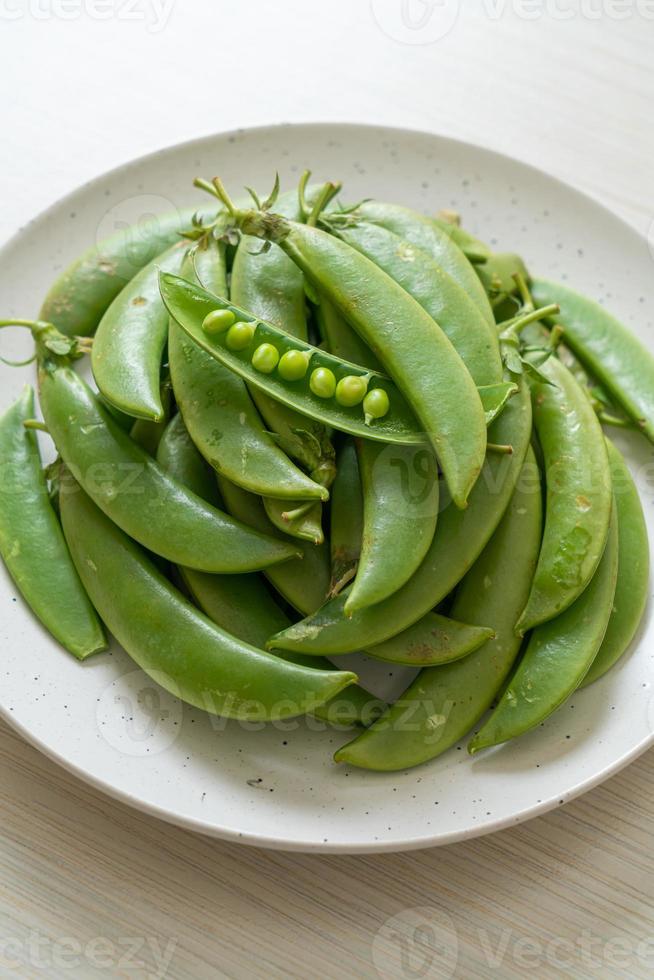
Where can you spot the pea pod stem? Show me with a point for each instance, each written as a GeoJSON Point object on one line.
{"type": "Point", "coordinates": [518, 324]}
{"type": "Point", "coordinates": [37, 425]}
{"type": "Point", "coordinates": [294, 515]}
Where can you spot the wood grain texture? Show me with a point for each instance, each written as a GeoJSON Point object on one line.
{"type": "Point", "coordinates": [90, 888]}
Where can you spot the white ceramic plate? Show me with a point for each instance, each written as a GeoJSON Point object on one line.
{"type": "Point", "coordinates": [108, 723]}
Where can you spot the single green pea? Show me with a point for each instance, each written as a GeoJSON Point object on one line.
{"type": "Point", "coordinates": [265, 358]}
{"type": "Point", "coordinates": [375, 404]}
{"type": "Point", "coordinates": [239, 336]}
{"type": "Point", "coordinates": [218, 321]}
{"type": "Point", "coordinates": [323, 382]}
{"type": "Point", "coordinates": [351, 390]}
{"type": "Point", "coordinates": [293, 365]}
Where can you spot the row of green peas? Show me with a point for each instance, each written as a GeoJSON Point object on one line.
{"type": "Point", "coordinates": [293, 365]}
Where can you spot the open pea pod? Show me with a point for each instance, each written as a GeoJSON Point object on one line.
{"type": "Point", "coordinates": [189, 305]}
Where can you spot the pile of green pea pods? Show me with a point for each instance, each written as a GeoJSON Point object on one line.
{"type": "Point", "coordinates": [322, 429]}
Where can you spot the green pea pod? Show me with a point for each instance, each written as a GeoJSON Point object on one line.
{"type": "Point", "coordinates": [145, 432]}
{"type": "Point", "coordinates": [189, 305]}
{"type": "Point", "coordinates": [427, 235]}
{"type": "Point", "coordinates": [632, 586]}
{"type": "Point", "coordinates": [79, 298]}
{"type": "Point", "coordinates": [607, 349]}
{"type": "Point", "coordinates": [441, 296]}
{"type": "Point", "coordinates": [459, 539]}
{"type": "Point", "coordinates": [443, 703]}
{"type": "Point", "coordinates": [303, 521]}
{"type": "Point", "coordinates": [578, 483]}
{"type": "Point", "coordinates": [429, 372]}
{"type": "Point", "coordinates": [473, 248]}
{"type": "Point", "coordinates": [31, 543]}
{"type": "Point", "coordinates": [339, 337]}
{"type": "Point", "coordinates": [176, 645]}
{"type": "Point", "coordinates": [135, 492]}
{"type": "Point", "coordinates": [400, 510]}
{"type": "Point", "coordinates": [241, 604]}
{"type": "Point", "coordinates": [179, 457]}
{"type": "Point", "coordinates": [434, 639]}
{"type": "Point", "coordinates": [303, 582]}
{"type": "Point", "coordinates": [557, 658]}
{"type": "Point", "coordinates": [129, 342]}
{"type": "Point", "coordinates": [346, 530]}
{"type": "Point", "coordinates": [397, 524]}
{"type": "Point", "coordinates": [218, 411]}
{"type": "Point", "coordinates": [267, 282]}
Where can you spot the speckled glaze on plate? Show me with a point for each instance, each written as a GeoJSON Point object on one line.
{"type": "Point", "coordinates": [277, 787]}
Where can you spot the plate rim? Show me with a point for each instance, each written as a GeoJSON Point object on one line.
{"type": "Point", "coordinates": [212, 829]}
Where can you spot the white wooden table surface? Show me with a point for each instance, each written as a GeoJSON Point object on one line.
{"type": "Point", "coordinates": [91, 888]}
